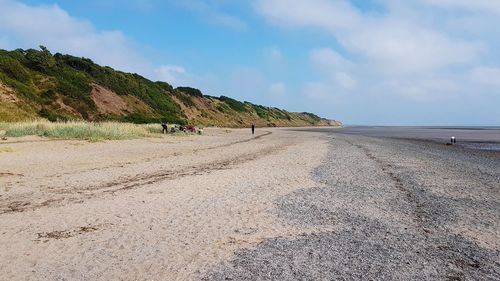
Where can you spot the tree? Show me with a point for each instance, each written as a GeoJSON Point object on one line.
{"type": "Point", "coordinates": [40, 60]}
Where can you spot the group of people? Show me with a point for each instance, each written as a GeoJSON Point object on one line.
{"type": "Point", "coordinates": [187, 128]}
{"type": "Point", "coordinates": [179, 128]}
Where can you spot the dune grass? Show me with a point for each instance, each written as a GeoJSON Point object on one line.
{"type": "Point", "coordinates": [6, 149]}
{"type": "Point", "coordinates": [79, 130]}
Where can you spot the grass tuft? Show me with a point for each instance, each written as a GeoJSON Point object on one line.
{"type": "Point", "coordinates": [6, 149]}
{"type": "Point", "coordinates": [80, 130]}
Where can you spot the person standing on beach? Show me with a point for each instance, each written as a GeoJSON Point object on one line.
{"type": "Point", "coordinates": [164, 126]}
{"type": "Point", "coordinates": [253, 129]}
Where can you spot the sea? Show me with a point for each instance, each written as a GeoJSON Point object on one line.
{"type": "Point", "coordinates": [473, 137]}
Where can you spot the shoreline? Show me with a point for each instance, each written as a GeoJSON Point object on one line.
{"type": "Point", "coordinates": [488, 140]}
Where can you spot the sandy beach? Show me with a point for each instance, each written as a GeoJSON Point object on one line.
{"type": "Point", "coordinates": [281, 205]}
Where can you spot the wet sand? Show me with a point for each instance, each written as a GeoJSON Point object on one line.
{"type": "Point", "coordinates": [284, 205]}
{"type": "Point", "coordinates": [485, 138]}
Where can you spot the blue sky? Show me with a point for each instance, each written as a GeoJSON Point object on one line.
{"type": "Point", "coordinates": [412, 62]}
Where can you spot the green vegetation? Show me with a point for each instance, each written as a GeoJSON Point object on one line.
{"type": "Point", "coordinates": [190, 91]}
{"type": "Point", "coordinates": [234, 104]}
{"type": "Point", "coordinates": [79, 130]}
{"type": "Point", "coordinates": [40, 78]}
{"type": "Point", "coordinates": [63, 88]}
{"type": "Point", "coordinates": [186, 99]}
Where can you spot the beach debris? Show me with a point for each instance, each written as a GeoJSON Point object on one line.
{"type": "Point", "coordinates": [180, 128]}
{"type": "Point", "coordinates": [63, 234]}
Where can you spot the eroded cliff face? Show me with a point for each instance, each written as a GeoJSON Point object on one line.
{"type": "Point", "coordinates": [330, 122]}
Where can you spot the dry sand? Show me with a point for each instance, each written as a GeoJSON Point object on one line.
{"type": "Point", "coordinates": [283, 205]}
{"type": "Point", "coordinates": [156, 209]}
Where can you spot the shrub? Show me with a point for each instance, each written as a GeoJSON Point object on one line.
{"type": "Point", "coordinates": [14, 69]}
{"type": "Point", "coordinates": [190, 91]}
{"type": "Point", "coordinates": [234, 104]}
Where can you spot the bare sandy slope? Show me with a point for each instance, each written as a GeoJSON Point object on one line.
{"type": "Point", "coordinates": [157, 209]}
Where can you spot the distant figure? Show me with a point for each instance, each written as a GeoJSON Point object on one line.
{"type": "Point", "coordinates": [253, 129]}
{"type": "Point", "coordinates": [165, 127]}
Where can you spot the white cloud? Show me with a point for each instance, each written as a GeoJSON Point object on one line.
{"type": "Point", "coordinates": [488, 6]}
{"type": "Point", "coordinates": [345, 80]}
{"type": "Point", "coordinates": [173, 74]}
{"type": "Point", "coordinates": [392, 43]}
{"type": "Point", "coordinates": [30, 26]}
{"type": "Point", "coordinates": [136, 5]}
{"type": "Point", "coordinates": [336, 69]}
{"type": "Point", "coordinates": [228, 21]}
{"type": "Point", "coordinates": [406, 47]}
{"type": "Point", "coordinates": [326, 57]}
{"type": "Point", "coordinates": [245, 82]}
{"type": "Point", "coordinates": [486, 76]}
{"type": "Point", "coordinates": [406, 50]}
{"type": "Point", "coordinates": [330, 15]}
{"type": "Point", "coordinates": [318, 91]}
{"type": "Point", "coordinates": [67, 34]}
{"type": "Point", "coordinates": [423, 89]}
{"type": "Point", "coordinates": [211, 11]}
{"type": "Point", "coordinates": [274, 54]}
{"type": "Point", "coordinates": [277, 89]}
